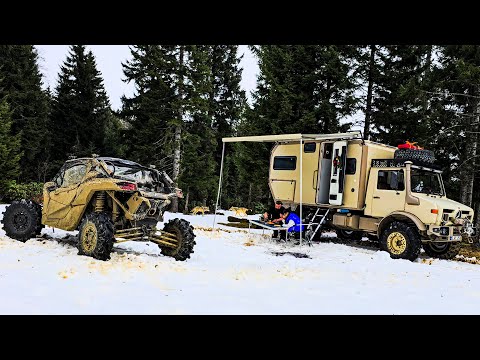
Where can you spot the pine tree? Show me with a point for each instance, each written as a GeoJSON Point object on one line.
{"type": "Point", "coordinates": [456, 119]}
{"type": "Point", "coordinates": [21, 84]}
{"type": "Point", "coordinates": [398, 106]}
{"type": "Point", "coordinates": [150, 114]}
{"type": "Point", "coordinates": [172, 121]}
{"type": "Point", "coordinates": [10, 153]}
{"type": "Point", "coordinates": [304, 88]}
{"type": "Point", "coordinates": [366, 68]}
{"type": "Point", "coordinates": [227, 103]}
{"type": "Point", "coordinates": [81, 108]}
{"type": "Point", "coordinates": [114, 143]}
{"type": "Point", "coordinates": [199, 141]}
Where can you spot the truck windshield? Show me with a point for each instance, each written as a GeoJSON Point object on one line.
{"type": "Point", "coordinates": [426, 182]}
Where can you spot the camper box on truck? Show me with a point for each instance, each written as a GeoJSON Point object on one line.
{"type": "Point", "coordinates": [334, 172]}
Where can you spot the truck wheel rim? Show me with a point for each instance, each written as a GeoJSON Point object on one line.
{"type": "Point", "coordinates": [89, 237]}
{"type": "Point", "coordinates": [396, 243]}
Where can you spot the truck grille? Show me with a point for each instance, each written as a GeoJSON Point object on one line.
{"type": "Point", "coordinates": [447, 213]}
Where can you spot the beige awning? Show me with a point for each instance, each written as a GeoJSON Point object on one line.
{"type": "Point", "coordinates": [294, 137]}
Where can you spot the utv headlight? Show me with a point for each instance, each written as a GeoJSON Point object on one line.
{"type": "Point", "coordinates": [444, 230]}
{"type": "Point", "coordinates": [458, 215]}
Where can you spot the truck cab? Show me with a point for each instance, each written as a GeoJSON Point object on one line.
{"type": "Point", "coordinates": [416, 195]}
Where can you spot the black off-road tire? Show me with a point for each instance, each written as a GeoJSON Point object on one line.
{"type": "Point", "coordinates": [22, 220]}
{"type": "Point", "coordinates": [442, 250]}
{"type": "Point", "coordinates": [423, 156]}
{"type": "Point", "coordinates": [95, 236]}
{"type": "Point", "coordinates": [401, 241]}
{"type": "Point", "coordinates": [185, 236]}
{"type": "Point", "coordinates": [349, 234]}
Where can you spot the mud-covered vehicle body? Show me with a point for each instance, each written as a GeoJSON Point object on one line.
{"type": "Point", "coordinates": [107, 200]}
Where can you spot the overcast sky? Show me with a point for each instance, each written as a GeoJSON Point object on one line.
{"type": "Point", "coordinates": [109, 60]}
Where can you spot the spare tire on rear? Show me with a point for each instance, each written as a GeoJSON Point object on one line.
{"type": "Point", "coordinates": [424, 156]}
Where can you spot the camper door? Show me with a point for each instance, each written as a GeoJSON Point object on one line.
{"type": "Point", "coordinates": [337, 177]}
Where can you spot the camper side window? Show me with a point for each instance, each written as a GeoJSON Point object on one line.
{"type": "Point", "coordinates": [310, 147]}
{"type": "Point", "coordinates": [285, 163]}
{"type": "Point", "coordinates": [390, 180]}
{"type": "Point", "coordinates": [351, 166]}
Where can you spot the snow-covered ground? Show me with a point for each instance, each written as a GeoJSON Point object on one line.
{"type": "Point", "coordinates": [232, 271]}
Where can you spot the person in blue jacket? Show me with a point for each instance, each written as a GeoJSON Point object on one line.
{"type": "Point", "coordinates": [293, 222]}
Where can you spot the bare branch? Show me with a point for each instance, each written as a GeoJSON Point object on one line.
{"type": "Point", "coordinates": [450, 94]}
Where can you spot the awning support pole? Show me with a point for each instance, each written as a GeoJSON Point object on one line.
{"type": "Point", "coordinates": [301, 190]}
{"type": "Point", "coordinates": [219, 186]}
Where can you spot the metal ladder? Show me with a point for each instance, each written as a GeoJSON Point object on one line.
{"type": "Point", "coordinates": [312, 227]}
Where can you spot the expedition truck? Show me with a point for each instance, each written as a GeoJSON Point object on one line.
{"type": "Point", "coordinates": [359, 187]}
{"type": "Point", "coordinates": [108, 200]}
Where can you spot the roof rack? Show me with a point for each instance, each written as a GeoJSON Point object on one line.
{"type": "Point", "coordinates": [388, 163]}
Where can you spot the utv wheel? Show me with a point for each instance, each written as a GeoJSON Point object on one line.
{"type": "Point", "coordinates": [442, 250]}
{"type": "Point", "coordinates": [95, 236]}
{"type": "Point", "coordinates": [185, 237]}
{"type": "Point", "coordinates": [350, 234]}
{"type": "Point", "coordinates": [22, 220]}
{"type": "Point", "coordinates": [401, 241]}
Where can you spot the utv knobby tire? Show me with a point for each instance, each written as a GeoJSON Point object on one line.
{"type": "Point", "coordinates": [442, 250]}
{"type": "Point", "coordinates": [22, 220]}
{"type": "Point", "coordinates": [401, 241]}
{"type": "Point", "coordinates": [349, 234]}
{"type": "Point", "coordinates": [95, 236]}
{"type": "Point", "coordinates": [186, 239]}
{"type": "Point", "coordinates": [424, 156]}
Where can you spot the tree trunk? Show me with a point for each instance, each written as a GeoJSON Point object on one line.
{"type": "Point", "coordinates": [326, 123]}
{"type": "Point", "coordinates": [178, 128]}
{"type": "Point", "coordinates": [476, 218]}
{"type": "Point", "coordinates": [475, 174]}
{"type": "Point", "coordinates": [185, 211]}
{"type": "Point", "coordinates": [249, 202]}
{"type": "Point", "coordinates": [467, 171]}
{"type": "Point", "coordinates": [368, 108]}
{"type": "Point", "coordinates": [424, 81]}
